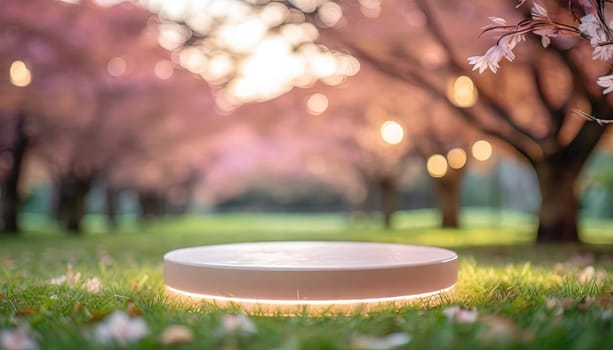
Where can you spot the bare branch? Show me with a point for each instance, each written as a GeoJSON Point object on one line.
{"type": "Point", "coordinates": [591, 118]}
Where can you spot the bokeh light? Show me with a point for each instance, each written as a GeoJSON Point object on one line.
{"type": "Point", "coordinates": [305, 5]}
{"type": "Point", "coordinates": [116, 67]}
{"type": "Point", "coordinates": [19, 74]}
{"type": "Point", "coordinates": [274, 13]}
{"type": "Point", "coordinates": [349, 65]}
{"type": "Point", "coordinates": [218, 68]}
{"type": "Point", "coordinates": [317, 104]}
{"type": "Point", "coordinates": [330, 14]}
{"type": "Point", "coordinates": [392, 132]}
{"type": "Point", "coordinates": [437, 165]}
{"type": "Point", "coordinates": [462, 92]}
{"type": "Point", "coordinates": [192, 59]}
{"type": "Point", "coordinates": [370, 8]}
{"type": "Point", "coordinates": [244, 36]}
{"type": "Point", "coordinates": [163, 69]}
{"type": "Point", "coordinates": [482, 150]}
{"type": "Point", "coordinates": [456, 158]}
{"type": "Point", "coordinates": [172, 36]}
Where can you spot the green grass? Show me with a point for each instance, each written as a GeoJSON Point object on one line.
{"type": "Point", "coordinates": [502, 276]}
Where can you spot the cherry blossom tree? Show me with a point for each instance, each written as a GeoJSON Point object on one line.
{"type": "Point", "coordinates": [277, 147]}
{"type": "Point", "coordinates": [201, 48]}
{"type": "Point", "coordinates": [531, 108]}
{"type": "Point", "coordinates": [333, 134]}
{"type": "Point", "coordinates": [40, 54]}
{"type": "Point", "coordinates": [101, 91]}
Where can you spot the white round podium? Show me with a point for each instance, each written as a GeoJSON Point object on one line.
{"type": "Point", "coordinates": [289, 277]}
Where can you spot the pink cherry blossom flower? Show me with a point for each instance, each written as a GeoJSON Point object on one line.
{"type": "Point", "coordinates": [69, 278]}
{"type": "Point", "coordinates": [119, 328]}
{"type": "Point", "coordinates": [240, 323]}
{"type": "Point", "coordinates": [389, 341]}
{"type": "Point", "coordinates": [498, 21]}
{"type": "Point", "coordinates": [591, 27]}
{"type": "Point", "coordinates": [493, 56]}
{"type": "Point", "coordinates": [488, 61]}
{"type": "Point", "coordinates": [176, 334]}
{"type": "Point", "coordinates": [17, 339]}
{"type": "Point", "coordinates": [606, 82]}
{"type": "Point", "coordinates": [503, 330]}
{"type": "Point", "coordinates": [461, 315]}
{"type": "Point", "coordinates": [538, 11]}
{"type": "Point", "coordinates": [93, 285]}
{"type": "Point", "coordinates": [547, 28]}
{"type": "Point", "coordinates": [546, 34]}
{"type": "Point", "coordinates": [603, 52]}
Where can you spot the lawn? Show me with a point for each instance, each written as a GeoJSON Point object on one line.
{"type": "Point", "coordinates": [512, 294]}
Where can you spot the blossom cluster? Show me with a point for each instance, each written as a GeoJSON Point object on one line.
{"type": "Point", "coordinates": [592, 26]}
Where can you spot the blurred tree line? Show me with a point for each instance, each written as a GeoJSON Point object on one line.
{"type": "Point", "coordinates": [87, 96]}
{"type": "Point", "coordinates": [334, 101]}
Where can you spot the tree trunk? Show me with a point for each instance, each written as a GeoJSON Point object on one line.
{"type": "Point", "coordinates": [151, 205]}
{"type": "Point", "coordinates": [363, 209]}
{"type": "Point", "coordinates": [558, 215]}
{"type": "Point", "coordinates": [10, 197]}
{"type": "Point", "coordinates": [112, 196]}
{"type": "Point", "coordinates": [369, 205]}
{"type": "Point", "coordinates": [72, 194]}
{"type": "Point", "coordinates": [389, 199]}
{"type": "Point", "coordinates": [448, 197]}
{"type": "Point", "coordinates": [557, 176]}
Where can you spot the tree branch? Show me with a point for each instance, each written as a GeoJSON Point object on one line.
{"type": "Point", "coordinates": [467, 114]}
{"type": "Point", "coordinates": [485, 98]}
{"type": "Point", "coordinates": [579, 149]}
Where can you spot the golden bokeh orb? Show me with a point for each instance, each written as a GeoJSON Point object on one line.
{"type": "Point", "coordinates": [462, 92]}
{"type": "Point", "coordinates": [317, 104]}
{"type": "Point", "coordinates": [437, 165]}
{"type": "Point", "coordinates": [392, 132]}
{"type": "Point", "coordinates": [482, 150]}
{"type": "Point", "coordinates": [20, 74]}
{"type": "Point", "coordinates": [456, 158]}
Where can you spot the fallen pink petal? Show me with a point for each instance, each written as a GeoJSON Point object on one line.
{"type": "Point", "coordinates": [18, 338]}
{"type": "Point", "coordinates": [93, 285]}
{"type": "Point", "coordinates": [238, 324]}
{"type": "Point", "coordinates": [119, 328]}
{"type": "Point", "coordinates": [390, 341]}
{"type": "Point", "coordinates": [176, 334]}
{"type": "Point", "coordinates": [502, 330]}
{"type": "Point", "coordinates": [461, 315]}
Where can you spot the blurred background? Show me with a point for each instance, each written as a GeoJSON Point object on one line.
{"type": "Point", "coordinates": [117, 114]}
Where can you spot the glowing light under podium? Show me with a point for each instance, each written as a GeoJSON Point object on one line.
{"type": "Point", "coordinates": [289, 277]}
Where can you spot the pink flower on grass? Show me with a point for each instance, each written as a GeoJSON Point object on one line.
{"type": "Point", "coordinates": [119, 328]}
{"type": "Point", "coordinates": [93, 285]}
{"type": "Point", "coordinates": [461, 315]}
{"type": "Point", "coordinates": [238, 324]}
{"type": "Point", "coordinates": [69, 278]}
{"type": "Point", "coordinates": [17, 339]}
{"type": "Point", "coordinates": [389, 341]}
{"type": "Point", "coordinates": [176, 334]}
